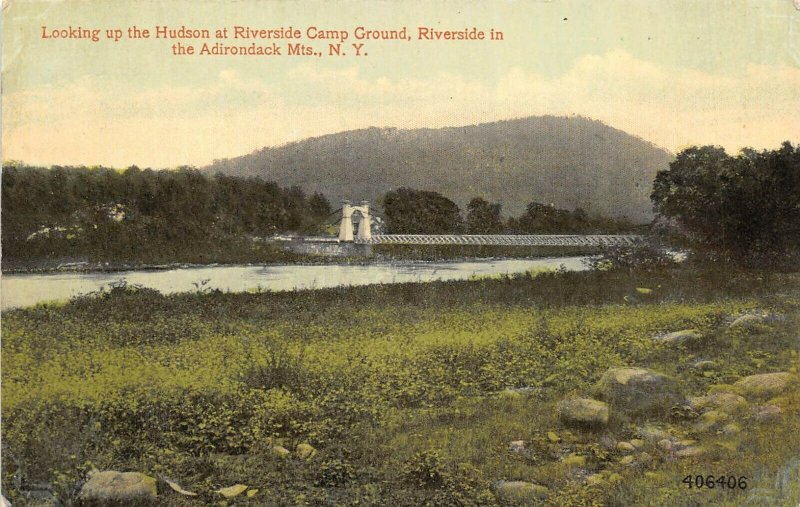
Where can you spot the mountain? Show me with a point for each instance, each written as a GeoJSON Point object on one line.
{"type": "Point", "coordinates": [570, 162]}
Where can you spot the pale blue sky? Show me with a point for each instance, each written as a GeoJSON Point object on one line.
{"type": "Point", "coordinates": [673, 72]}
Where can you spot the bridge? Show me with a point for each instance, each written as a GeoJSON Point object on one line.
{"type": "Point", "coordinates": [503, 239]}
{"type": "Point", "coordinates": [364, 236]}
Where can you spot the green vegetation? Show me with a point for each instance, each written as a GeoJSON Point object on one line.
{"type": "Point", "coordinates": [410, 211]}
{"type": "Point", "coordinates": [411, 394]}
{"type": "Point", "coordinates": [144, 216]}
{"type": "Point", "coordinates": [743, 209]}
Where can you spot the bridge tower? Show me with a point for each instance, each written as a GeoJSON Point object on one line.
{"type": "Point", "coordinates": [346, 225]}
{"type": "Point", "coordinates": [365, 226]}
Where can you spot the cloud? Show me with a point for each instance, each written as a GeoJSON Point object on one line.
{"type": "Point", "coordinates": [101, 121]}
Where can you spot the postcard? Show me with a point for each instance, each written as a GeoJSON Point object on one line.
{"type": "Point", "coordinates": [405, 253]}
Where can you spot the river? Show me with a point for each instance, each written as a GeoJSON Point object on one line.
{"type": "Point", "coordinates": [20, 290]}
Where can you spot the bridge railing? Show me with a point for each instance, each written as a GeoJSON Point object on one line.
{"type": "Point", "coordinates": [506, 239]}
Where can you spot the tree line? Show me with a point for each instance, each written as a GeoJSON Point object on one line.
{"type": "Point", "coordinates": [411, 211]}
{"type": "Point", "coordinates": [141, 213]}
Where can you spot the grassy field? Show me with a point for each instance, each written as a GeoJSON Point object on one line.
{"type": "Point", "coordinates": [410, 394]}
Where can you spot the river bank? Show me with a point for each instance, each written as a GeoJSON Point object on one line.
{"type": "Point", "coordinates": [279, 256]}
{"type": "Point", "coordinates": [447, 392]}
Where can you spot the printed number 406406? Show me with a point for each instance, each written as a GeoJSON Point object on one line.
{"type": "Point", "coordinates": [711, 481]}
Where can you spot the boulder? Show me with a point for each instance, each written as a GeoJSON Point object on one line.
{"type": "Point", "coordinates": [280, 452]}
{"type": "Point", "coordinates": [690, 452]}
{"type": "Point", "coordinates": [638, 443]}
{"type": "Point", "coordinates": [625, 447]}
{"type": "Point", "coordinates": [123, 487]}
{"type": "Point", "coordinates": [638, 390]}
{"type": "Point", "coordinates": [583, 412]}
{"type": "Point", "coordinates": [652, 433]}
{"type": "Point", "coordinates": [750, 322]}
{"type": "Point", "coordinates": [725, 401]}
{"type": "Point", "coordinates": [712, 420]}
{"type": "Point", "coordinates": [679, 337]}
{"type": "Point", "coordinates": [766, 385]}
{"type": "Point", "coordinates": [520, 493]}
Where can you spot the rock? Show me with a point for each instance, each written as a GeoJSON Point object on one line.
{"type": "Point", "coordinates": [113, 486]}
{"type": "Point", "coordinates": [665, 444]}
{"type": "Point", "coordinates": [583, 412]}
{"type": "Point", "coordinates": [690, 452]}
{"type": "Point", "coordinates": [725, 401]}
{"type": "Point", "coordinates": [749, 322]}
{"type": "Point", "coordinates": [280, 452]}
{"type": "Point", "coordinates": [625, 447]}
{"type": "Point", "coordinates": [638, 443]}
{"type": "Point", "coordinates": [553, 437]}
{"type": "Point", "coordinates": [520, 493]}
{"type": "Point", "coordinates": [712, 420]}
{"type": "Point", "coordinates": [766, 413]}
{"type": "Point", "coordinates": [305, 451]}
{"type": "Point", "coordinates": [627, 460]}
{"type": "Point", "coordinates": [766, 385]}
{"type": "Point", "coordinates": [652, 433]}
{"type": "Point", "coordinates": [517, 446]}
{"type": "Point", "coordinates": [638, 390]}
{"type": "Point", "coordinates": [679, 337]}
{"type": "Point", "coordinates": [232, 491]}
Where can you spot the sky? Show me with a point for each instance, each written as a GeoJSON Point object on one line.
{"type": "Point", "coordinates": [673, 72]}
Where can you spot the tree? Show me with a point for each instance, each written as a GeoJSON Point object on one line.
{"type": "Point", "coordinates": [746, 208]}
{"type": "Point", "coordinates": [409, 211]}
{"type": "Point", "coordinates": [484, 217]}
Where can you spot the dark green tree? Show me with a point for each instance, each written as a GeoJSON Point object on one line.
{"type": "Point", "coordinates": [409, 211]}
{"type": "Point", "coordinates": [745, 208]}
{"type": "Point", "coordinates": [484, 217]}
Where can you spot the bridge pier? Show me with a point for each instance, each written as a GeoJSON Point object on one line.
{"type": "Point", "coordinates": [364, 233]}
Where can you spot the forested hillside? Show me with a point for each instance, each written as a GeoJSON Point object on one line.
{"type": "Point", "coordinates": [569, 162]}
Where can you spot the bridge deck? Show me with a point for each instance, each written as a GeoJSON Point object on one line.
{"type": "Point", "coordinates": [505, 239]}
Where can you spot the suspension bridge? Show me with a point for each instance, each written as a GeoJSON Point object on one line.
{"type": "Point", "coordinates": [364, 235]}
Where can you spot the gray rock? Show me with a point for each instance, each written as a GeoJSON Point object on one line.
{"type": "Point", "coordinates": [638, 390]}
{"type": "Point", "coordinates": [725, 401]}
{"type": "Point", "coordinates": [517, 446]}
{"type": "Point", "coordinates": [680, 337]}
{"type": "Point", "coordinates": [113, 486]}
{"type": "Point", "coordinates": [690, 452]}
{"type": "Point", "coordinates": [749, 322]}
{"type": "Point", "coordinates": [766, 385]}
{"type": "Point", "coordinates": [520, 493]}
{"type": "Point", "coordinates": [583, 412]}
